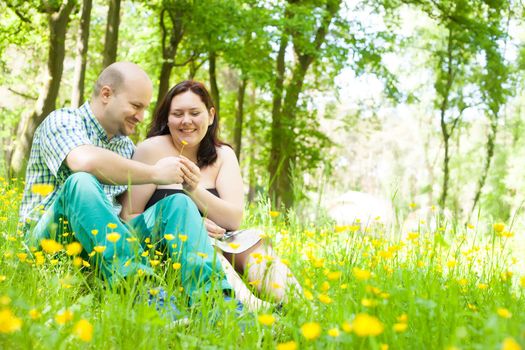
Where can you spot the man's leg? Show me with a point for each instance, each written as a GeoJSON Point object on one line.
{"type": "Point", "coordinates": [83, 203]}
{"type": "Point", "coordinates": [176, 223]}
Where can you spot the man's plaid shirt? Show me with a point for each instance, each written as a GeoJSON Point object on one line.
{"type": "Point", "coordinates": [62, 131]}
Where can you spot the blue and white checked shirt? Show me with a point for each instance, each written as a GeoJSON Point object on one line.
{"type": "Point", "coordinates": [62, 131]}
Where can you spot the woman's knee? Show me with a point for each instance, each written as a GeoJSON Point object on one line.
{"type": "Point", "coordinates": [179, 202]}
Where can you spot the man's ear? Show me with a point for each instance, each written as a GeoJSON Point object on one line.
{"type": "Point", "coordinates": [105, 93]}
{"type": "Point", "coordinates": [212, 116]}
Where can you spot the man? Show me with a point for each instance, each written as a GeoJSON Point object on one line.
{"type": "Point", "coordinates": [84, 154]}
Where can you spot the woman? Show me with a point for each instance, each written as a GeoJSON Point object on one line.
{"type": "Point", "coordinates": [185, 125]}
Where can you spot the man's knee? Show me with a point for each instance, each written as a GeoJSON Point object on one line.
{"type": "Point", "coordinates": [179, 202]}
{"type": "Point", "coordinates": [81, 180]}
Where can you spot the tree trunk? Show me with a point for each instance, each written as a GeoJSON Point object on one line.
{"type": "Point", "coordinates": [490, 154]}
{"type": "Point", "coordinates": [58, 21]}
{"type": "Point", "coordinates": [214, 89]}
{"type": "Point", "coordinates": [252, 179]}
{"type": "Point", "coordinates": [111, 41]}
{"type": "Point", "coordinates": [276, 153]}
{"type": "Point", "coordinates": [239, 115]}
{"type": "Point", "coordinates": [77, 97]}
{"type": "Point", "coordinates": [170, 48]}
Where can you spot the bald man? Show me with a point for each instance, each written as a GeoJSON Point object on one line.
{"type": "Point", "coordinates": [82, 158]}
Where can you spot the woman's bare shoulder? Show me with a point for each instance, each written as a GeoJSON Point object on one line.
{"type": "Point", "coordinates": [225, 152]}
{"type": "Point", "coordinates": [152, 148]}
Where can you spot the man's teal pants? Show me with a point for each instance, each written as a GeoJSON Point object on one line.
{"type": "Point", "coordinates": [173, 224]}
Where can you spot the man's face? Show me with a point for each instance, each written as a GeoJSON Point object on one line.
{"type": "Point", "coordinates": [125, 107]}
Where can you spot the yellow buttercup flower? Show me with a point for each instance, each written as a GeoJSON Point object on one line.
{"type": "Point", "coordinates": [84, 330]}
{"type": "Point", "coordinates": [34, 314]}
{"type": "Point", "coordinates": [266, 319]}
{"type": "Point", "coordinates": [73, 249]}
{"type": "Point", "coordinates": [333, 332]}
{"type": "Point", "coordinates": [169, 237]}
{"type": "Point", "coordinates": [360, 274]}
{"type": "Point", "coordinates": [9, 323]}
{"type": "Point", "coordinates": [400, 327]}
{"type": "Point", "coordinates": [64, 317]}
{"type": "Point", "coordinates": [290, 345]}
{"type": "Point", "coordinates": [325, 299]}
{"type": "Point", "coordinates": [234, 245]}
{"type": "Point", "coordinates": [311, 330]}
{"type": "Point", "coordinates": [176, 266]}
{"type": "Point", "coordinates": [510, 344]}
{"type": "Point", "coordinates": [113, 237]}
{"type": "Point", "coordinates": [365, 325]}
{"type": "Point", "coordinates": [99, 248]}
{"type": "Point", "coordinates": [112, 225]}
{"type": "Point", "coordinates": [498, 227]}
{"type": "Point", "coordinates": [94, 232]}
{"type": "Point", "coordinates": [183, 238]}
{"type": "Point", "coordinates": [42, 189]}
{"type": "Point", "coordinates": [50, 246]}
{"type": "Point", "coordinates": [274, 214]}
{"type": "Point", "coordinates": [504, 313]}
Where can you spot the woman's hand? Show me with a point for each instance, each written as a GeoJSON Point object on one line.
{"type": "Point", "coordinates": [214, 230]}
{"type": "Point", "coordinates": [191, 174]}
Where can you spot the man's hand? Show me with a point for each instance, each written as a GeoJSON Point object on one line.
{"type": "Point", "coordinates": [214, 230]}
{"type": "Point", "coordinates": [192, 174]}
{"type": "Point", "coordinates": [169, 171]}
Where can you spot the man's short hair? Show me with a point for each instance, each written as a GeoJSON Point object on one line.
{"type": "Point", "coordinates": [112, 77]}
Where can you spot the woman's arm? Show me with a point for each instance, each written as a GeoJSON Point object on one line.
{"type": "Point", "coordinates": [225, 211]}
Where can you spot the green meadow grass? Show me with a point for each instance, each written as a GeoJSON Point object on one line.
{"type": "Point", "coordinates": [365, 287]}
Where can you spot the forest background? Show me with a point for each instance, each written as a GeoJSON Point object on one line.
{"type": "Point", "coordinates": [417, 101]}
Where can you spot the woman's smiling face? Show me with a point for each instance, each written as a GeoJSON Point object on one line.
{"type": "Point", "coordinates": [189, 119]}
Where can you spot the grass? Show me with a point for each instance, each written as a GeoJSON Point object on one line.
{"type": "Point", "coordinates": [365, 287]}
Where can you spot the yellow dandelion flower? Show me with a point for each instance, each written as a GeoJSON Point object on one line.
{"type": "Point", "coordinates": [504, 313]}
{"type": "Point", "coordinates": [308, 295]}
{"type": "Point", "coordinates": [361, 275]}
{"type": "Point", "coordinates": [347, 327]}
{"type": "Point", "coordinates": [112, 226]}
{"type": "Point", "coordinates": [176, 266]}
{"type": "Point", "coordinates": [34, 314]}
{"type": "Point", "coordinates": [266, 319]}
{"type": "Point", "coordinates": [63, 317]}
{"type": "Point", "coordinates": [42, 189]}
{"type": "Point", "coordinates": [202, 255]}
{"type": "Point", "coordinates": [99, 248]}
{"type": "Point", "coordinates": [94, 232]}
{"type": "Point", "coordinates": [113, 237]}
{"type": "Point", "coordinates": [289, 345]}
{"type": "Point", "coordinates": [73, 249]}
{"type": "Point", "coordinates": [9, 323]}
{"type": "Point", "coordinates": [498, 227]}
{"type": "Point", "coordinates": [154, 262]}
{"type": "Point", "coordinates": [3, 278]}
{"type": "Point", "coordinates": [311, 330]}
{"type": "Point", "coordinates": [368, 302]}
{"type": "Point", "coordinates": [275, 285]}
{"type": "Point", "coordinates": [183, 238]}
{"type": "Point", "coordinates": [325, 299]}
{"type": "Point", "coordinates": [77, 261]}
{"type": "Point", "coordinates": [383, 346]}
{"type": "Point", "coordinates": [333, 332]}
{"type": "Point", "coordinates": [5, 300]}
{"type": "Point", "coordinates": [325, 286]}
{"type": "Point", "coordinates": [483, 286]}
{"type": "Point", "coordinates": [522, 281]}
{"type": "Point", "coordinates": [86, 263]}
{"type": "Point", "coordinates": [510, 344]}
{"type": "Point", "coordinates": [144, 254]}
{"type": "Point", "coordinates": [274, 214]}
{"type": "Point", "coordinates": [451, 263]}
{"type": "Point", "coordinates": [400, 327]}
{"type": "Point", "coordinates": [403, 318]}
{"type": "Point", "coordinates": [83, 330]}
{"type": "Point", "coordinates": [50, 246]}
{"type": "Point", "coordinates": [365, 325]}
{"type": "Point", "coordinates": [169, 237]}
{"type": "Point", "coordinates": [22, 256]}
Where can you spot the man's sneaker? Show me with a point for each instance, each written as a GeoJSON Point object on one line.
{"type": "Point", "coordinates": [166, 307]}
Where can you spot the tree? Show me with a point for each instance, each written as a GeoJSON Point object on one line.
{"type": "Point", "coordinates": [307, 33]}
{"type": "Point", "coordinates": [77, 97]}
{"type": "Point", "coordinates": [58, 16]}
{"type": "Point", "coordinates": [112, 26]}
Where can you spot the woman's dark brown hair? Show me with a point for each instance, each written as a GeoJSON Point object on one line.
{"type": "Point", "coordinates": [207, 152]}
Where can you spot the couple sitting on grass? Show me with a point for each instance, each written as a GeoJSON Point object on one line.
{"type": "Point", "coordinates": [117, 200]}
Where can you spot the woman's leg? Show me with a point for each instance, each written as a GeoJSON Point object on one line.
{"type": "Point", "coordinates": [242, 293]}
{"type": "Point", "coordinates": [265, 270]}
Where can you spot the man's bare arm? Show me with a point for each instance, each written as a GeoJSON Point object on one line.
{"type": "Point", "coordinates": [111, 168]}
